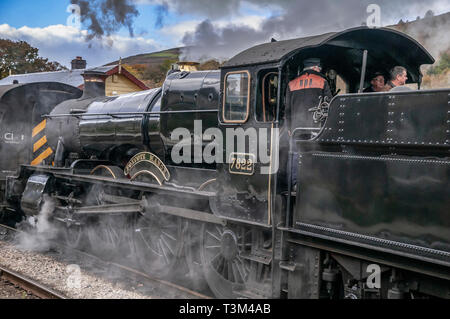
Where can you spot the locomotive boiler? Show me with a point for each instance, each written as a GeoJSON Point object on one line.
{"type": "Point", "coordinates": [372, 182]}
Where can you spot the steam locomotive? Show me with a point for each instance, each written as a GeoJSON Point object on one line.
{"type": "Point", "coordinates": [368, 218]}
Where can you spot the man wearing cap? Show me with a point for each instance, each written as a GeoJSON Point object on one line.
{"type": "Point", "coordinates": [376, 84]}
{"type": "Point", "coordinates": [303, 93]}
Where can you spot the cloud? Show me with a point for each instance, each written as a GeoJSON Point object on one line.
{"type": "Point", "coordinates": [62, 43]}
{"type": "Point", "coordinates": [216, 9]}
{"type": "Point", "coordinates": [294, 19]}
{"type": "Point", "coordinates": [210, 8]}
{"type": "Point", "coordinates": [219, 28]}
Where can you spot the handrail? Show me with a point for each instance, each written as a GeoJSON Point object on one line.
{"type": "Point", "coordinates": [116, 114]}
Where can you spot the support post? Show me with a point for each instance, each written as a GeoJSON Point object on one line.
{"type": "Point", "coordinates": [363, 72]}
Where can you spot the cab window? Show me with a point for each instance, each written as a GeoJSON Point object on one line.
{"type": "Point", "coordinates": [237, 96]}
{"type": "Point", "coordinates": [266, 106]}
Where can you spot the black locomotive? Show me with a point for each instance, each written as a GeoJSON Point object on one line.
{"type": "Point", "coordinates": [369, 218]}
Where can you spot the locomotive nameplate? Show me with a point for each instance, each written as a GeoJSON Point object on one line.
{"type": "Point", "coordinates": [149, 158]}
{"type": "Point", "coordinates": [242, 163]}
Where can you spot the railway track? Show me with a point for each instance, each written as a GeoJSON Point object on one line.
{"type": "Point", "coordinates": [97, 265]}
{"type": "Point", "coordinates": [29, 285]}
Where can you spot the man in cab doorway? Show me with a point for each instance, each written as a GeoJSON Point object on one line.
{"type": "Point", "coordinates": [303, 93]}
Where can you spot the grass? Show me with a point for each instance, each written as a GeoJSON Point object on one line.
{"type": "Point", "coordinates": [167, 55]}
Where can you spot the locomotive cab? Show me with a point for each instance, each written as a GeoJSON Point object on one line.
{"type": "Point", "coordinates": [373, 175]}
{"type": "Point", "coordinates": [257, 168]}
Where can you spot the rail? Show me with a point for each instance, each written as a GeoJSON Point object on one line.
{"type": "Point", "coordinates": [29, 285]}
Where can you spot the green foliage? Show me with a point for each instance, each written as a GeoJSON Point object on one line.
{"type": "Point", "coordinates": [20, 58]}
{"type": "Point", "coordinates": [163, 54]}
{"type": "Point", "coordinates": [443, 66]}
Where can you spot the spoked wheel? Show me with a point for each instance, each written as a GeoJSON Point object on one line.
{"type": "Point", "coordinates": [74, 237]}
{"type": "Point", "coordinates": [193, 254]}
{"type": "Point", "coordinates": [158, 241]}
{"type": "Point", "coordinates": [95, 195]}
{"type": "Point", "coordinates": [110, 237]}
{"type": "Point", "coordinates": [224, 269]}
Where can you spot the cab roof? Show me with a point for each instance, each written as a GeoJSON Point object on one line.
{"type": "Point", "coordinates": [383, 44]}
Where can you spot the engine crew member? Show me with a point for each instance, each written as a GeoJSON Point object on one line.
{"type": "Point", "coordinates": [303, 93]}
{"type": "Point", "coordinates": [399, 76]}
{"type": "Point", "coordinates": [376, 84]}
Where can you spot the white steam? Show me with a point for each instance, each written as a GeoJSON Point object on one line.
{"type": "Point", "coordinates": [40, 231]}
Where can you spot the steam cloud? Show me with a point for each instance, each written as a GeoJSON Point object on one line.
{"type": "Point", "coordinates": [39, 237]}
{"type": "Point", "coordinates": [425, 31]}
{"type": "Point", "coordinates": [104, 17]}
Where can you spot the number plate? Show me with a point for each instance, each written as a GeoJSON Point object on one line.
{"type": "Point", "coordinates": [242, 163]}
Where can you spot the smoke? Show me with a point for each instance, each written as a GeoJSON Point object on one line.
{"type": "Point", "coordinates": [426, 31]}
{"type": "Point", "coordinates": [38, 231]}
{"type": "Point", "coordinates": [161, 13]}
{"type": "Point", "coordinates": [296, 19]}
{"type": "Point", "coordinates": [105, 17]}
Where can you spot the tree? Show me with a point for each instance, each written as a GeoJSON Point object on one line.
{"type": "Point", "coordinates": [20, 58]}
{"type": "Point", "coordinates": [429, 14]}
{"type": "Point", "coordinates": [443, 66]}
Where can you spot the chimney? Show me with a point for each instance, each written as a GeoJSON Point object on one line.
{"type": "Point", "coordinates": [78, 63]}
{"type": "Point", "coordinates": [94, 84]}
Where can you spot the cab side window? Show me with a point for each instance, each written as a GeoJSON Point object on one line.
{"type": "Point", "coordinates": [266, 106]}
{"type": "Point", "coordinates": [237, 97]}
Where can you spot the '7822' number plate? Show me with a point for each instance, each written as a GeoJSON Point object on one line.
{"type": "Point", "coordinates": [242, 163]}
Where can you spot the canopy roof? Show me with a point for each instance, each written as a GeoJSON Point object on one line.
{"type": "Point", "coordinates": [72, 77]}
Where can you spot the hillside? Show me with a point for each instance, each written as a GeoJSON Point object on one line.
{"type": "Point", "coordinates": [151, 68]}
{"type": "Point", "coordinates": [432, 33]}
{"type": "Point", "coordinates": [154, 58]}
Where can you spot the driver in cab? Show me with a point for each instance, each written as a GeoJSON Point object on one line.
{"type": "Point", "coordinates": [303, 93]}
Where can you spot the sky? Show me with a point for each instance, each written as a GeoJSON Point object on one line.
{"type": "Point", "coordinates": [110, 29]}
